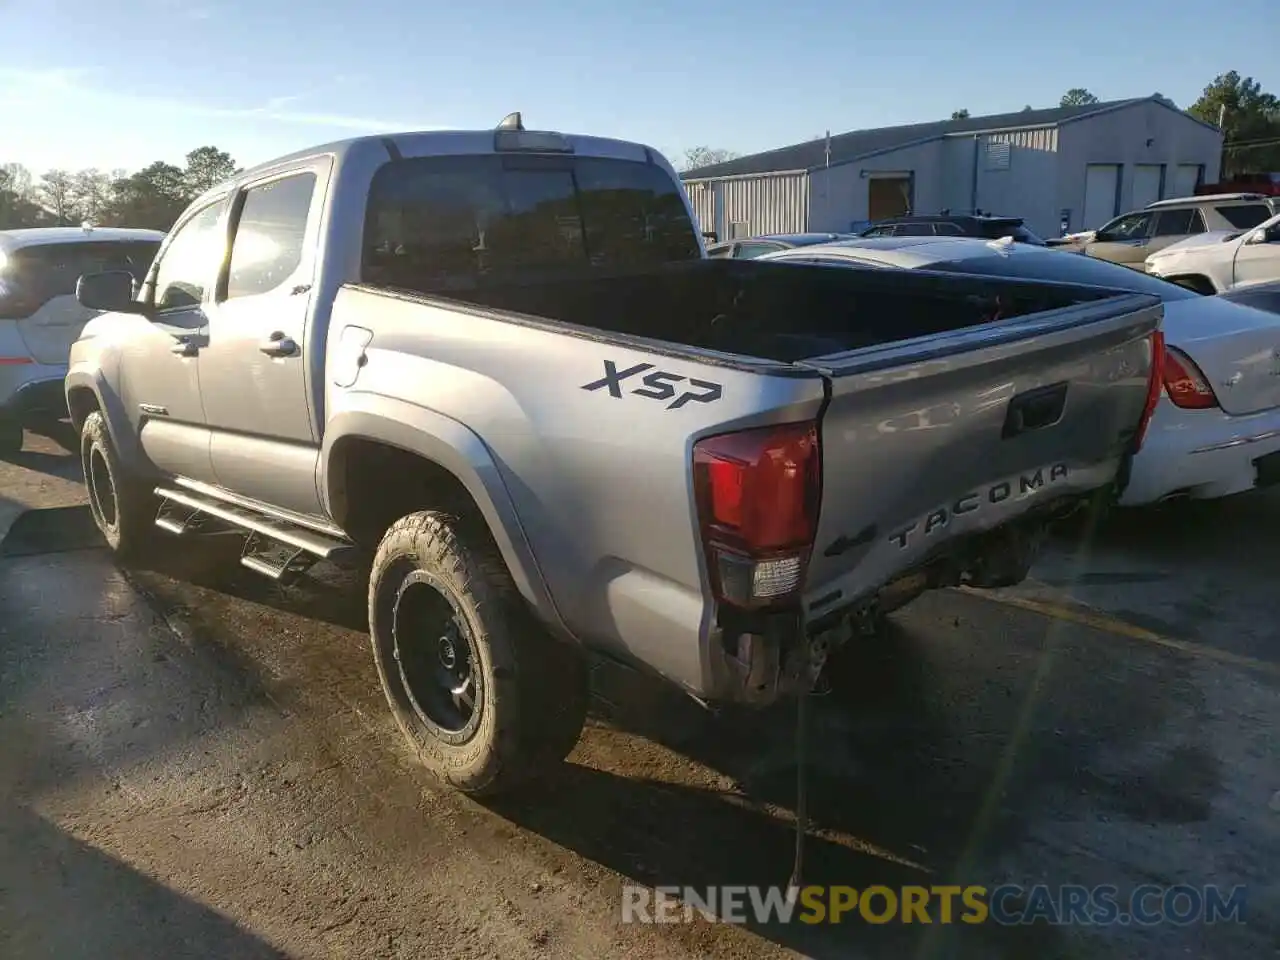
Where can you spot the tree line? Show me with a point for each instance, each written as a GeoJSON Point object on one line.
{"type": "Point", "coordinates": [151, 198]}
{"type": "Point", "coordinates": [1249, 116]}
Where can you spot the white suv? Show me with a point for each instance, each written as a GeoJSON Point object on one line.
{"type": "Point", "coordinates": [39, 315]}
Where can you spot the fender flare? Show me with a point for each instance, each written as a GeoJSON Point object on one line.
{"type": "Point", "coordinates": [81, 378]}
{"type": "Point", "coordinates": [457, 449]}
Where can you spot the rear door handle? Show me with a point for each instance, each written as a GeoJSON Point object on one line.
{"type": "Point", "coordinates": [278, 345]}
{"type": "Point", "coordinates": [185, 348]}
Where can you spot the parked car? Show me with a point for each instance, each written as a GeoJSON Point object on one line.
{"type": "Point", "coordinates": [986, 226]}
{"type": "Point", "coordinates": [1216, 430]}
{"type": "Point", "coordinates": [702, 467]}
{"type": "Point", "coordinates": [39, 316]}
{"type": "Point", "coordinates": [1130, 239]}
{"type": "Point", "coordinates": [1217, 262]}
{"type": "Point", "coordinates": [752, 247]}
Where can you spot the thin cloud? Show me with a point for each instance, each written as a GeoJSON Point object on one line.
{"type": "Point", "coordinates": [24, 85]}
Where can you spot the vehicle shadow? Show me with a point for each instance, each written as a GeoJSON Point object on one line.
{"type": "Point", "coordinates": [926, 764]}
{"type": "Point", "coordinates": [61, 898]}
{"type": "Point", "coordinates": [63, 463]}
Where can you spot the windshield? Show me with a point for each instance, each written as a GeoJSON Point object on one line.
{"type": "Point", "coordinates": [440, 220]}
{"type": "Point", "coordinates": [34, 275]}
{"type": "Point", "coordinates": [1062, 267]}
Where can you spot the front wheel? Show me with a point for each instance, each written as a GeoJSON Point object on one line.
{"type": "Point", "coordinates": [123, 508]}
{"type": "Point", "coordinates": [486, 697]}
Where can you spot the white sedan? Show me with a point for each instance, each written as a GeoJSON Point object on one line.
{"type": "Point", "coordinates": [1221, 261]}
{"type": "Point", "coordinates": [1216, 430]}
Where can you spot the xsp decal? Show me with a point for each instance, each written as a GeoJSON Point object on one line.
{"type": "Point", "coordinates": [986, 497]}
{"type": "Point", "coordinates": [658, 385]}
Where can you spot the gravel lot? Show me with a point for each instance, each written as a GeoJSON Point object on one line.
{"type": "Point", "coordinates": [199, 763]}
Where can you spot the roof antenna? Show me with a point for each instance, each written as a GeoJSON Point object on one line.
{"type": "Point", "coordinates": [511, 121]}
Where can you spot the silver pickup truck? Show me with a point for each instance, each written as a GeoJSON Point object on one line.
{"type": "Point", "coordinates": [498, 367]}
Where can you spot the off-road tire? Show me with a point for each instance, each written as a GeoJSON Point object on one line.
{"type": "Point", "coordinates": [533, 688]}
{"type": "Point", "coordinates": [123, 507]}
{"type": "Point", "coordinates": [10, 435]}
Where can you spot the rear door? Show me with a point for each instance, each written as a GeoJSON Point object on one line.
{"type": "Point", "coordinates": [928, 439]}
{"type": "Point", "coordinates": [1174, 225]}
{"type": "Point", "coordinates": [41, 281]}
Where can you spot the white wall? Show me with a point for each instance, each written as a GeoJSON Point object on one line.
{"type": "Point", "coordinates": [770, 203]}
{"type": "Point", "coordinates": [838, 196]}
{"type": "Point", "coordinates": [1027, 187]}
{"type": "Point", "coordinates": [1120, 136]}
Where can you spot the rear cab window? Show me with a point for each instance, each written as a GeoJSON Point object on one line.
{"type": "Point", "coordinates": [1245, 216]}
{"type": "Point", "coordinates": [457, 220]}
{"type": "Point", "coordinates": [33, 275]}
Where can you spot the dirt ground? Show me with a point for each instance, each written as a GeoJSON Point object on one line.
{"type": "Point", "coordinates": [198, 763]}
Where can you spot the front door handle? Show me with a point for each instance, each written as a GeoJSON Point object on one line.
{"type": "Point", "coordinates": [278, 345]}
{"type": "Point", "coordinates": [185, 348]}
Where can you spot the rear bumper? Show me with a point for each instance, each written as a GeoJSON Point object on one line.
{"type": "Point", "coordinates": [1202, 454]}
{"type": "Point", "coordinates": [30, 391]}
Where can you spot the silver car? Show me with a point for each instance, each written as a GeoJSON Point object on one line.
{"type": "Point", "coordinates": [39, 315]}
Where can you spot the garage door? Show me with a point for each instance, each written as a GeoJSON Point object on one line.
{"type": "Point", "coordinates": [1185, 180]}
{"type": "Point", "coordinates": [1146, 184]}
{"type": "Point", "coordinates": [1100, 183]}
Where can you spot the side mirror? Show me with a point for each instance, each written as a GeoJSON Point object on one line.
{"type": "Point", "coordinates": [111, 290]}
{"type": "Point", "coordinates": [711, 235]}
{"type": "Point", "coordinates": [1265, 235]}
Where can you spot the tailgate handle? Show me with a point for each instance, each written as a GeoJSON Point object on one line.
{"type": "Point", "coordinates": [1041, 407]}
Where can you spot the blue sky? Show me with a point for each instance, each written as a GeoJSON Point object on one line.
{"type": "Point", "coordinates": [87, 83]}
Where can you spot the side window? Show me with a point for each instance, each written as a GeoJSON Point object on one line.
{"type": "Point", "coordinates": [1197, 222]}
{"type": "Point", "coordinates": [1246, 216]}
{"type": "Point", "coordinates": [948, 230]}
{"type": "Point", "coordinates": [268, 244]}
{"type": "Point", "coordinates": [190, 260]}
{"type": "Point", "coordinates": [1132, 227]}
{"type": "Point", "coordinates": [914, 230]}
{"type": "Point", "coordinates": [884, 231]}
{"type": "Point", "coordinates": [1174, 223]}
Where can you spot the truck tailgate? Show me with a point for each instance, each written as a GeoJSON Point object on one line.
{"type": "Point", "coordinates": [926, 440]}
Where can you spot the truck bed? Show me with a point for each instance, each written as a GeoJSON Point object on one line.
{"type": "Point", "coordinates": [773, 311]}
{"type": "Point", "coordinates": [949, 410]}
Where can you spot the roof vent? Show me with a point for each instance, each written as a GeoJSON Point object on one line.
{"type": "Point", "coordinates": [512, 121]}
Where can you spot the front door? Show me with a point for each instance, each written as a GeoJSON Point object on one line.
{"type": "Point", "coordinates": [1259, 262]}
{"type": "Point", "coordinates": [253, 372]}
{"type": "Point", "coordinates": [159, 382]}
{"type": "Point", "coordinates": [1123, 240]}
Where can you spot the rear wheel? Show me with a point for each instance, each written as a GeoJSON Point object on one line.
{"type": "Point", "coordinates": [486, 697]}
{"type": "Point", "coordinates": [123, 508]}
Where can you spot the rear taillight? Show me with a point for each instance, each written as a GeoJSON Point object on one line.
{"type": "Point", "coordinates": [758, 493]}
{"type": "Point", "coordinates": [1184, 383]}
{"type": "Point", "coordinates": [1154, 383]}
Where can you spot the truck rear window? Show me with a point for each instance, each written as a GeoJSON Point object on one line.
{"type": "Point", "coordinates": [439, 221]}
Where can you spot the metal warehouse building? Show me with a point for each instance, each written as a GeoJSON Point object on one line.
{"type": "Point", "coordinates": [1074, 166]}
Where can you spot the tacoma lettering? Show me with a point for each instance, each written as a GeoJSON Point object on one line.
{"type": "Point", "coordinates": [940, 517]}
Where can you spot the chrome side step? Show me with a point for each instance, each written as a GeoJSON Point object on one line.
{"type": "Point", "coordinates": [275, 547]}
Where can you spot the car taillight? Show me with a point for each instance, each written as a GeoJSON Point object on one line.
{"type": "Point", "coordinates": [1184, 383]}
{"type": "Point", "coordinates": [758, 493]}
{"type": "Point", "coordinates": [1154, 383]}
